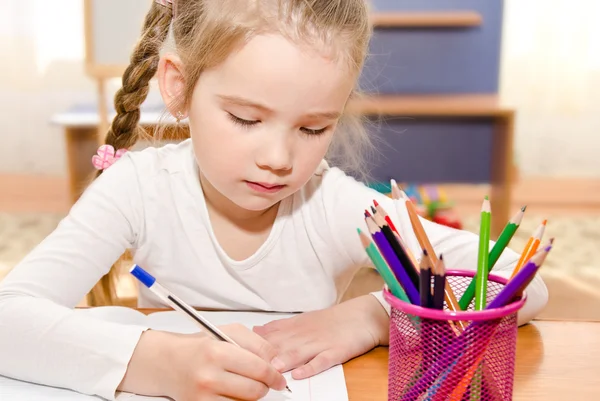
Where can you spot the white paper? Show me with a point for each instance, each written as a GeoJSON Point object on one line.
{"type": "Point", "coordinates": [327, 386]}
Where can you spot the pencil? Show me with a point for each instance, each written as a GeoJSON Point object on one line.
{"type": "Point", "coordinates": [531, 247]}
{"type": "Point", "coordinates": [384, 214]}
{"type": "Point", "coordinates": [393, 261]}
{"type": "Point", "coordinates": [150, 282]}
{"type": "Point", "coordinates": [483, 256]}
{"type": "Point", "coordinates": [399, 249]}
{"type": "Point", "coordinates": [439, 282]}
{"type": "Point", "coordinates": [406, 248]}
{"type": "Point", "coordinates": [382, 267]}
{"type": "Point", "coordinates": [521, 280]}
{"type": "Point", "coordinates": [398, 194]}
{"type": "Point", "coordinates": [505, 237]}
{"type": "Point", "coordinates": [425, 281]}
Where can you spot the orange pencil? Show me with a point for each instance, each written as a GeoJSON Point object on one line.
{"type": "Point", "coordinates": [531, 247]}
{"type": "Point", "coordinates": [450, 298]}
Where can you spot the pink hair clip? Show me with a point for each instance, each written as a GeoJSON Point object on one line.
{"type": "Point", "coordinates": [106, 157]}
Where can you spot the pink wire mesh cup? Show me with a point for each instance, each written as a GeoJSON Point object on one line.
{"type": "Point", "coordinates": [431, 358]}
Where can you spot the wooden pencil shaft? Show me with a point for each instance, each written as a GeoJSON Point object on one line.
{"type": "Point", "coordinates": [402, 256]}
{"type": "Point", "coordinates": [425, 288]}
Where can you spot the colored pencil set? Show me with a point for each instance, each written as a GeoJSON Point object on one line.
{"type": "Point", "coordinates": [423, 283]}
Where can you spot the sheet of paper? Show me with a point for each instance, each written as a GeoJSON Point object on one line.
{"type": "Point", "coordinates": [327, 386]}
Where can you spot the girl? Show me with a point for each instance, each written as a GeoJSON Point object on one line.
{"type": "Point", "coordinates": [245, 215]}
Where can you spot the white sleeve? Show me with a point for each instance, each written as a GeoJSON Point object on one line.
{"type": "Point", "coordinates": [42, 340]}
{"type": "Point", "coordinates": [350, 198]}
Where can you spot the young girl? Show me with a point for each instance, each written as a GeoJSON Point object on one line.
{"type": "Point", "coordinates": [245, 215]}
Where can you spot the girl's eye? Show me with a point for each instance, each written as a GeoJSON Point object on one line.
{"type": "Point", "coordinates": [309, 131]}
{"type": "Point", "coordinates": [241, 121]}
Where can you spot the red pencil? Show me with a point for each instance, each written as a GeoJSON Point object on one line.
{"type": "Point", "coordinates": [385, 216]}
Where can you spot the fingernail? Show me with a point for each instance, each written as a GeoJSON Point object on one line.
{"type": "Point", "coordinates": [277, 363]}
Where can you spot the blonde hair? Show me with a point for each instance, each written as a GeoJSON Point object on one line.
{"type": "Point", "coordinates": [206, 32]}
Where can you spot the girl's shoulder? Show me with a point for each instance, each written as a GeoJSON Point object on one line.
{"type": "Point", "coordinates": [169, 157]}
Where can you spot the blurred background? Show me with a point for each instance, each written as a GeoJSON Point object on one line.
{"type": "Point", "coordinates": [469, 97]}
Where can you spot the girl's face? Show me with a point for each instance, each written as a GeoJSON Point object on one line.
{"type": "Point", "coordinates": [261, 122]}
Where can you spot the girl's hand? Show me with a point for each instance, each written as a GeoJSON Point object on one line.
{"type": "Point", "coordinates": [315, 341]}
{"type": "Point", "coordinates": [190, 367]}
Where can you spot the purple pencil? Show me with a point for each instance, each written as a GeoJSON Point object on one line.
{"type": "Point", "coordinates": [512, 289]}
{"type": "Point", "coordinates": [518, 283]}
{"type": "Point", "coordinates": [392, 260]}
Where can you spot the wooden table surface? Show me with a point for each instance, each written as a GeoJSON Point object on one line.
{"type": "Point", "coordinates": [556, 361]}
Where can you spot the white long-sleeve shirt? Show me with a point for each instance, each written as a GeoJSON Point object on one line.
{"type": "Point", "coordinates": [152, 202]}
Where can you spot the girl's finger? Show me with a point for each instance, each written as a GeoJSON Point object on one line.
{"type": "Point", "coordinates": [230, 386]}
{"type": "Point", "coordinates": [318, 364]}
{"type": "Point", "coordinates": [246, 364]}
{"type": "Point", "coordinates": [294, 354]}
{"type": "Point", "coordinates": [251, 341]}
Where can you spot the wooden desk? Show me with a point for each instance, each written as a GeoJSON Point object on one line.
{"type": "Point", "coordinates": [556, 361]}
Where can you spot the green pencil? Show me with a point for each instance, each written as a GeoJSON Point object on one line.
{"type": "Point", "coordinates": [382, 267]}
{"type": "Point", "coordinates": [505, 237]}
{"type": "Point", "coordinates": [483, 256]}
{"type": "Point", "coordinates": [481, 280]}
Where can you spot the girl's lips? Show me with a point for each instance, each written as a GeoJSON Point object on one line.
{"type": "Point", "coordinates": [264, 187]}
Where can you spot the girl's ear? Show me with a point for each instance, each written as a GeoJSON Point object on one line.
{"type": "Point", "coordinates": [172, 84]}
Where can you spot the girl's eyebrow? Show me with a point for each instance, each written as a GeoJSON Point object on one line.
{"type": "Point", "coordinates": [240, 101]}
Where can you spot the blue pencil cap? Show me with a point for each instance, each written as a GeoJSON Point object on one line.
{"type": "Point", "coordinates": [142, 275]}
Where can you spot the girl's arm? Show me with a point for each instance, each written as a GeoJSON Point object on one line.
{"type": "Point", "coordinates": [346, 201]}
{"type": "Point", "coordinates": [41, 339]}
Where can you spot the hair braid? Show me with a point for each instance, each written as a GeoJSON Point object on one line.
{"type": "Point", "coordinates": [124, 131]}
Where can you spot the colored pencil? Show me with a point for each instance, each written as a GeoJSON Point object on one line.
{"type": "Point", "coordinates": [384, 214]}
{"type": "Point", "coordinates": [531, 247]}
{"type": "Point", "coordinates": [439, 282]}
{"type": "Point", "coordinates": [481, 280]}
{"type": "Point", "coordinates": [457, 349]}
{"type": "Point", "coordinates": [483, 256]}
{"type": "Point", "coordinates": [425, 281]}
{"type": "Point", "coordinates": [399, 249]}
{"type": "Point", "coordinates": [393, 262]}
{"type": "Point", "coordinates": [398, 194]}
{"type": "Point", "coordinates": [505, 237]}
{"type": "Point", "coordinates": [518, 283]}
{"type": "Point", "coordinates": [382, 267]}
{"type": "Point", "coordinates": [407, 250]}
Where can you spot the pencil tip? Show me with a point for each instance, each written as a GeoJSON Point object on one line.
{"type": "Point", "coordinates": [375, 203]}
{"type": "Point", "coordinates": [367, 214]}
{"type": "Point", "coordinates": [441, 257]}
{"type": "Point", "coordinates": [545, 221]}
{"type": "Point", "coordinates": [486, 197]}
{"type": "Point", "coordinates": [524, 208]}
{"type": "Point", "coordinates": [552, 241]}
{"type": "Point", "coordinates": [359, 231]}
{"type": "Point", "coordinates": [373, 210]}
{"type": "Point", "coordinates": [425, 252]}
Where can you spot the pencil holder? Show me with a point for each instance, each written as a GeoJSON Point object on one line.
{"type": "Point", "coordinates": [443, 355]}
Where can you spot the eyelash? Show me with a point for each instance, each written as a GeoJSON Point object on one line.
{"type": "Point", "coordinates": [248, 124]}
